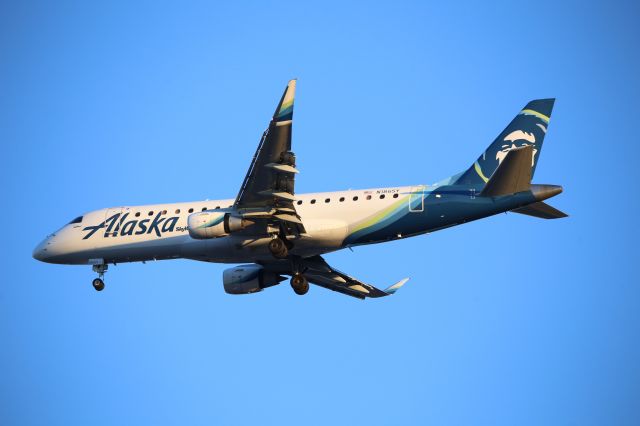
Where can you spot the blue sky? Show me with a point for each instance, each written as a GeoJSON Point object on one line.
{"type": "Point", "coordinates": [509, 320]}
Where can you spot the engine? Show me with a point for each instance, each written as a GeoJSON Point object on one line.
{"type": "Point", "coordinates": [206, 224]}
{"type": "Point", "coordinates": [245, 279]}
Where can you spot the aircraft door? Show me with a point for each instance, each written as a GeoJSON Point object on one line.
{"type": "Point", "coordinates": [416, 199]}
{"type": "Point", "coordinates": [112, 221]}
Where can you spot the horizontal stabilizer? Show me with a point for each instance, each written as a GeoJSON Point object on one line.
{"type": "Point", "coordinates": [512, 175]}
{"type": "Point", "coordinates": [541, 210]}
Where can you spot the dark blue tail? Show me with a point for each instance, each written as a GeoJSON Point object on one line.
{"type": "Point", "coordinates": [527, 128]}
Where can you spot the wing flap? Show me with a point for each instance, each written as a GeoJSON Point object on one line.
{"type": "Point", "coordinates": [288, 218]}
{"type": "Point", "coordinates": [278, 194]}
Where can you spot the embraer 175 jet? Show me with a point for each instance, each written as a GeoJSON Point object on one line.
{"type": "Point", "coordinates": [278, 232]}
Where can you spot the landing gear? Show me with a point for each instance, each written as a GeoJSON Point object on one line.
{"type": "Point", "coordinates": [98, 283]}
{"type": "Point", "coordinates": [300, 284]}
{"type": "Point", "coordinates": [278, 248]}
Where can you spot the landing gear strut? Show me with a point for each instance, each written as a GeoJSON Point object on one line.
{"type": "Point", "coordinates": [278, 248]}
{"type": "Point", "coordinates": [98, 283]}
{"type": "Point", "coordinates": [300, 284]}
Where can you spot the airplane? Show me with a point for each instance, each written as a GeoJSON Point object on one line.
{"type": "Point", "coordinates": [276, 232]}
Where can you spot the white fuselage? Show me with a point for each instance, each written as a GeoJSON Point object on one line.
{"type": "Point", "coordinates": [159, 231]}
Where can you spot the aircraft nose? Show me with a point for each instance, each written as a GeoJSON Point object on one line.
{"type": "Point", "coordinates": [40, 252]}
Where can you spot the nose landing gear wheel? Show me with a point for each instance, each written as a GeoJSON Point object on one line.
{"type": "Point", "coordinates": [300, 284]}
{"type": "Point", "coordinates": [278, 248]}
{"type": "Point", "coordinates": [100, 268]}
{"type": "Point", "coordinates": [98, 284]}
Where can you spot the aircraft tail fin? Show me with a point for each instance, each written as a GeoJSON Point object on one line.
{"type": "Point", "coordinates": [541, 210]}
{"type": "Point", "coordinates": [528, 128]}
{"type": "Point", "coordinates": [512, 175]}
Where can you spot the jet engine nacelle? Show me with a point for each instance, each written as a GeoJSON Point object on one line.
{"type": "Point", "coordinates": [245, 279]}
{"type": "Point", "coordinates": [206, 224]}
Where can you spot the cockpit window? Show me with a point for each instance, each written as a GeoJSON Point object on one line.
{"type": "Point", "coordinates": [76, 220]}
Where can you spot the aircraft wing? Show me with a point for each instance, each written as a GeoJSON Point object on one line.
{"type": "Point", "coordinates": [268, 188]}
{"type": "Point", "coordinates": [318, 272]}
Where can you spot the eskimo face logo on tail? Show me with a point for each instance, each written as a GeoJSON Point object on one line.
{"type": "Point", "coordinates": [514, 140]}
{"type": "Point", "coordinates": [118, 225]}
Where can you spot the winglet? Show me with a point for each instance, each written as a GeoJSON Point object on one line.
{"type": "Point", "coordinates": [392, 289]}
{"type": "Point", "coordinates": [284, 111]}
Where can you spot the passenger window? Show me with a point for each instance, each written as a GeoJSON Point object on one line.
{"type": "Point", "coordinates": [341, 199]}
{"type": "Point", "coordinates": [177, 211]}
{"type": "Point", "coordinates": [355, 198]}
{"type": "Point", "coordinates": [328, 200]}
{"type": "Point", "coordinates": [368, 197]}
{"type": "Point", "coordinates": [313, 201]}
{"type": "Point", "coordinates": [382, 197]}
{"type": "Point", "coordinates": [151, 213]}
{"type": "Point", "coordinates": [164, 212]}
{"type": "Point", "coordinates": [204, 208]}
{"type": "Point", "coordinates": [217, 207]}
{"type": "Point", "coordinates": [299, 202]}
{"type": "Point", "coordinates": [137, 214]}
{"type": "Point", "coordinates": [191, 210]}
{"type": "Point", "coordinates": [395, 195]}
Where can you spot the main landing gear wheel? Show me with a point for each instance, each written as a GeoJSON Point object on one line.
{"type": "Point", "coordinates": [278, 248]}
{"type": "Point", "coordinates": [98, 284]}
{"type": "Point", "coordinates": [300, 284]}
